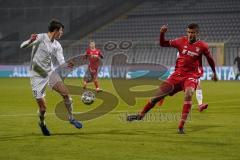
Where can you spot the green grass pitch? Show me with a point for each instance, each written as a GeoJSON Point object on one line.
{"type": "Point", "coordinates": [213, 134]}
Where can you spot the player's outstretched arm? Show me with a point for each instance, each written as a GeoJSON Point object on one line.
{"type": "Point", "coordinates": [59, 55]}
{"type": "Point", "coordinates": [30, 42]}
{"type": "Point", "coordinates": [162, 41]}
{"type": "Point", "coordinates": [214, 77]}
{"type": "Point", "coordinates": [212, 64]}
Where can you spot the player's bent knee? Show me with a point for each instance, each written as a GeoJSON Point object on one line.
{"type": "Point", "coordinates": [156, 99]}
{"type": "Point", "coordinates": [41, 103]}
{"type": "Point", "coordinates": [189, 93]}
{"type": "Point", "coordinates": [61, 88]}
{"type": "Point", "coordinates": [64, 94]}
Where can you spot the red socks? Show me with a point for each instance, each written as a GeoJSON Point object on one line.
{"type": "Point", "coordinates": [147, 108]}
{"type": "Point", "coordinates": [186, 109]}
{"type": "Point", "coordinates": [96, 84]}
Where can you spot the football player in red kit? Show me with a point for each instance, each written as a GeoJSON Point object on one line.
{"type": "Point", "coordinates": [186, 74]}
{"type": "Point", "coordinates": [199, 96]}
{"type": "Point", "coordinates": [94, 56]}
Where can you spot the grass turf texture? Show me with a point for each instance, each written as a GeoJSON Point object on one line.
{"type": "Point", "coordinates": [213, 134]}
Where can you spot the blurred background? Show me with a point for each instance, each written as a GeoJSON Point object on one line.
{"type": "Point", "coordinates": [130, 27]}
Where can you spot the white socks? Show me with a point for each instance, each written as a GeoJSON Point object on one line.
{"type": "Point", "coordinates": [199, 96]}
{"type": "Point", "coordinates": [69, 105]}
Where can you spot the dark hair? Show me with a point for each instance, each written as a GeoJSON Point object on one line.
{"type": "Point", "coordinates": [193, 26]}
{"type": "Point", "coordinates": [55, 24]}
{"type": "Point", "coordinates": [91, 41]}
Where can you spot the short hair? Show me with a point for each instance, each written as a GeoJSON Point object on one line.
{"type": "Point", "coordinates": [193, 26]}
{"type": "Point", "coordinates": [55, 24]}
{"type": "Point", "coordinates": [91, 41]}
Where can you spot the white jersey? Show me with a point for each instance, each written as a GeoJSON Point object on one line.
{"type": "Point", "coordinates": [42, 51]}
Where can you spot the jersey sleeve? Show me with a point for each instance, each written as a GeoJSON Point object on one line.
{"type": "Point", "coordinates": [209, 57]}
{"type": "Point", "coordinates": [206, 50]}
{"type": "Point", "coordinates": [27, 43]}
{"type": "Point", "coordinates": [59, 55]}
{"type": "Point", "coordinates": [162, 41]}
{"type": "Point", "coordinates": [174, 42]}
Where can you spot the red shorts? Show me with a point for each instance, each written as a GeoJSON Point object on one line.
{"type": "Point", "coordinates": [91, 74]}
{"type": "Point", "coordinates": [176, 83]}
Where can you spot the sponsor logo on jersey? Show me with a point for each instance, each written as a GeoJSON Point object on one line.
{"type": "Point", "coordinates": [197, 49]}
{"type": "Point", "coordinates": [190, 53]}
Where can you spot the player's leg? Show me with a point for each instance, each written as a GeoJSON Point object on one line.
{"type": "Point", "coordinates": [95, 80]}
{"type": "Point", "coordinates": [186, 108]}
{"type": "Point", "coordinates": [94, 75]}
{"type": "Point", "coordinates": [38, 87]}
{"type": "Point", "coordinates": [189, 86]}
{"type": "Point", "coordinates": [63, 91]}
{"type": "Point", "coordinates": [199, 97]}
{"type": "Point", "coordinates": [42, 110]}
{"type": "Point", "coordinates": [238, 73]}
{"type": "Point", "coordinates": [87, 78]}
{"type": "Point", "coordinates": [146, 109]}
{"type": "Point", "coordinates": [160, 103]}
{"type": "Point", "coordinates": [237, 76]}
{"type": "Point", "coordinates": [84, 84]}
{"type": "Point", "coordinates": [164, 89]}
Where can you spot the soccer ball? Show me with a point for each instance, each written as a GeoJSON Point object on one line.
{"type": "Point", "coordinates": [88, 97]}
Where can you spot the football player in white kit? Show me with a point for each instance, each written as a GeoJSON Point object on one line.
{"type": "Point", "coordinates": [44, 46]}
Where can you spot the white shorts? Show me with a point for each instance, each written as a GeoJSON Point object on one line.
{"type": "Point", "coordinates": [39, 84]}
{"type": "Point", "coordinates": [199, 81]}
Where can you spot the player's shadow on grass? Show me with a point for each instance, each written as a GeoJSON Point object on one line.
{"type": "Point", "coordinates": [104, 132]}
{"type": "Point", "coordinates": [20, 137]}
{"type": "Point", "coordinates": [196, 128]}
{"type": "Point", "coordinates": [80, 133]}
{"type": "Point", "coordinates": [110, 132]}
{"type": "Point", "coordinates": [35, 135]}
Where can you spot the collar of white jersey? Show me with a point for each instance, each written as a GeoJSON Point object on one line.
{"type": "Point", "coordinates": [48, 39]}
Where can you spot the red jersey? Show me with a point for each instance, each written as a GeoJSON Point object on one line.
{"type": "Point", "coordinates": [200, 68]}
{"type": "Point", "coordinates": [189, 61]}
{"type": "Point", "coordinates": [94, 57]}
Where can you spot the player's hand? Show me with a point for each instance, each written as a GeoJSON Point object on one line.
{"type": "Point", "coordinates": [33, 37]}
{"type": "Point", "coordinates": [164, 29]}
{"type": "Point", "coordinates": [85, 57]}
{"type": "Point", "coordinates": [95, 56]}
{"type": "Point", "coordinates": [214, 77]}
